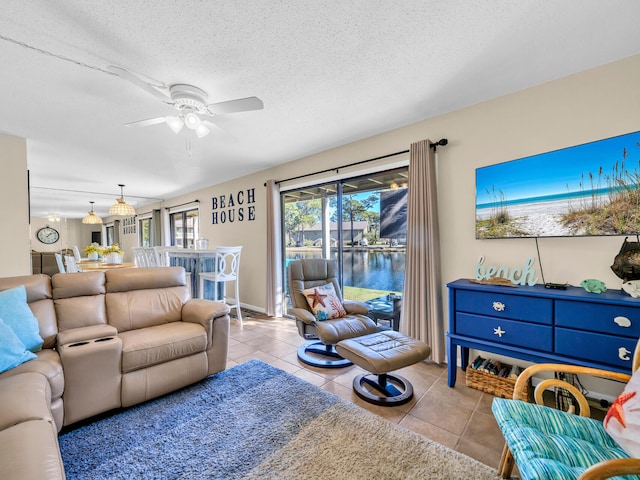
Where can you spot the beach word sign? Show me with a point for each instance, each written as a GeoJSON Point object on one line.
{"type": "Point", "coordinates": [519, 276]}
{"type": "Point", "coordinates": [234, 207]}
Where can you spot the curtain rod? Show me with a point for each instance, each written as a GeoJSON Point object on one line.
{"type": "Point", "coordinates": [336, 169]}
{"type": "Point", "coordinates": [442, 142]}
{"type": "Point", "coordinates": [182, 204]}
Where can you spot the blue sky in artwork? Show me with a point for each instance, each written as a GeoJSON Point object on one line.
{"type": "Point", "coordinates": [558, 172]}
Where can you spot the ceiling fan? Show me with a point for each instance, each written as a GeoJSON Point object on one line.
{"type": "Point", "coordinates": [191, 103]}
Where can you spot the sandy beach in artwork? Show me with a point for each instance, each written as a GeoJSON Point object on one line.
{"type": "Point", "coordinates": [539, 219]}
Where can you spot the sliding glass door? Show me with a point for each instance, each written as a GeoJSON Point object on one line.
{"type": "Point", "coordinates": [359, 222]}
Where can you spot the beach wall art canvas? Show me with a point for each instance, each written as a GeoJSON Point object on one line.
{"type": "Point", "coordinates": [589, 189]}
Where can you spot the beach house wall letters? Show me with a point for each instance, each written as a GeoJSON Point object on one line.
{"type": "Point", "coordinates": [519, 276]}
{"type": "Point", "coordinates": [129, 226]}
{"type": "Point", "coordinates": [234, 207]}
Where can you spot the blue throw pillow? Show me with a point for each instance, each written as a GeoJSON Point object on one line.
{"type": "Point", "coordinates": [16, 313]}
{"type": "Point", "coordinates": [12, 350]}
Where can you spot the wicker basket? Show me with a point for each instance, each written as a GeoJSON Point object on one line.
{"type": "Point", "coordinates": [493, 384]}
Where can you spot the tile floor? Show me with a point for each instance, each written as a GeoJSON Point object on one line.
{"type": "Point", "coordinates": [459, 417]}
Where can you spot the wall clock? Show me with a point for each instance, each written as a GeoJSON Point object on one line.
{"type": "Point", "coordinates": [48, 235]}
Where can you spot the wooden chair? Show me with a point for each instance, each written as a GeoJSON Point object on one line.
{"type": "Point", "coordinates": [506, 417]}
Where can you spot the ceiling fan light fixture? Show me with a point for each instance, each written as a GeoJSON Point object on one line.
{"type": "Point", "coordinates": [202, 130]}
{"type": "Point", "coordinates": [175, 123]}
{"type": "Point", "coordinates": [192, 121]}
{"type": "Point", "coordinates": [121, 208]}
{"type": "Point", "coordinates": [92, 218]}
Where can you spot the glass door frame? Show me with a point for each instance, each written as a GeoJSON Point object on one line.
{"type": "Point", "coordinates": [337, 185]}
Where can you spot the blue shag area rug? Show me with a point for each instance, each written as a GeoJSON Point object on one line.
{"type": "Point", "coordinates": [255, 421]}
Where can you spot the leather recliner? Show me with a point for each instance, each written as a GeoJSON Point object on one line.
{"type": "Point", "coordinates": [324, 334]}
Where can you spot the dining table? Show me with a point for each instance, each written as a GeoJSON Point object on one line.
{"type": "Point", "coordinates": [99, 265]}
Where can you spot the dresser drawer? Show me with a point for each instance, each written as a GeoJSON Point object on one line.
{"type": "Point", "coordinates": [507, 332]}
{"type": "Point", "coordinates": [595, 347]}
{"type": "Point", "coordinates": [599, 317]}
{"type": "Point", "coordinates": [515, 307]}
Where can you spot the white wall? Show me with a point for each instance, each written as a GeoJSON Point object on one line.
{"type": "Point", "coordinates": [588, 106]}
{"type": "Point", "coordinates": [15, 257]}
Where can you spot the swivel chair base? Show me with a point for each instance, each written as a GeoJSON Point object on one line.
{"type": "Point", "coordinates": [317, 354]}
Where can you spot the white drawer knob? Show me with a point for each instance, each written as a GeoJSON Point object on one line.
{"type": "Point", "coordinates": [623, 353]}
{"type": "Point", "coordinates": [498, 306]}
{"type": "Point", "coordinates": [622, 321]}
{"type": "Point", "coordinates": [499, 331]}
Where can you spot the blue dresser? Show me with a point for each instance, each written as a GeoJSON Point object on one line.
{"type": "Point", "coordinates": [542, 325]}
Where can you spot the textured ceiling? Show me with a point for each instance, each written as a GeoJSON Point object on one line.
{"type": "Point", "coordinates": [329, 72]}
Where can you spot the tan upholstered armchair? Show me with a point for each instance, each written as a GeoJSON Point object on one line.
{"type": "Point", "coordinates": [323, 334]}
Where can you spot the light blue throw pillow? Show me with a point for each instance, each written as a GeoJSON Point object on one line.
{"type": "Point", "coordinates": [16, 313]}
{"type": "Point", "coordinates": [12, 350]}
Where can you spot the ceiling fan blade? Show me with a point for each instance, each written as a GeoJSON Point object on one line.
{"type": "Point", "coordinates": [147, 122]}
{"type": "Point", "coordinates": [219, 129]}
{"type": "Point", "coordinates": [238, 105]}
{"type": "Point", "coordinates": [127, 75]}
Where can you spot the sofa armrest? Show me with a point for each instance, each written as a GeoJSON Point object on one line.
{"type": "Point", "coordinates": [83, 334]}
{"type": "Point", "coordinates": [198, 310]}
{"type": "Point", "coordinates": [353, 307]}
{"type": "Point", "coordinates": [303, 315]}
{"type": "Point", "coordinates": [204, 312]}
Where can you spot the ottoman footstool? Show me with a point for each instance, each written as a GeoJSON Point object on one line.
{"type": "Point", "coordinates": [381, 353]}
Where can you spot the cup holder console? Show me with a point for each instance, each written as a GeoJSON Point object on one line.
{"type": "Point", "coordinates": [92, 376]}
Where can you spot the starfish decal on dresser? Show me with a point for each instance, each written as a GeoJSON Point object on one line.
{"type": "Point", "coordinates": [317, 298]}
{"type": "Point", "coordinates": [616, 410]}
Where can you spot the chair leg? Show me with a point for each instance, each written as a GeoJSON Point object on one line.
{"type": "Point", "coordinates": [238, 303]}
{"type": "Point", "coordinates": [215, 291]}
{"type": "Point", "coordinates": [506, 463]}
{"type": "Point", "coordinates": [201, 289]}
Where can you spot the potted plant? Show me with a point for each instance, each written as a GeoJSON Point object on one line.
{"type": "Point", "coordinates": [92, 251]}
{"type": "Point", "coordinates": [112, 254]}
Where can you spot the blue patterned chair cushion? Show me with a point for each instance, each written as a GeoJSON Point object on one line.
{"type": "Point", "coordinates": [550, 444]}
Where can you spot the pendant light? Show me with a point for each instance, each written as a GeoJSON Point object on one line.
{"type": "Point", "coordinates": [92, 218]}
{"type": "Point", "coordinates": [121, 207]}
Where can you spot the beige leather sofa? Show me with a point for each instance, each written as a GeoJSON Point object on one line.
{"type": "Point", "coordinates": [111, 339]}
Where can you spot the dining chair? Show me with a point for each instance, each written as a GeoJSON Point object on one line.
{"type": "Point", "coordinates": [71, 265]}
{"type": "Point", "coordinates": [162, 254]}
{"type": "Point", "coordinates": [60, 263]}
{"type": "Point", "coordinates": [152, 257]}
{"type": "Point", "coordinates": [76, 253]}
{"type": "Point", "coordinates": [226, 269]}
{"type": "Point", "coordinates": [140, 256]}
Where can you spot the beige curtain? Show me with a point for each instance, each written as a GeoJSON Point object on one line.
{"type": "Point", "coordinates": [116, 231]}
{"type": "Point", "coordinates": [422, 303]}
{"type": "Point", "coordinates": [156, 223]}
{"type": "Point", "coordinates": [274, 251]}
